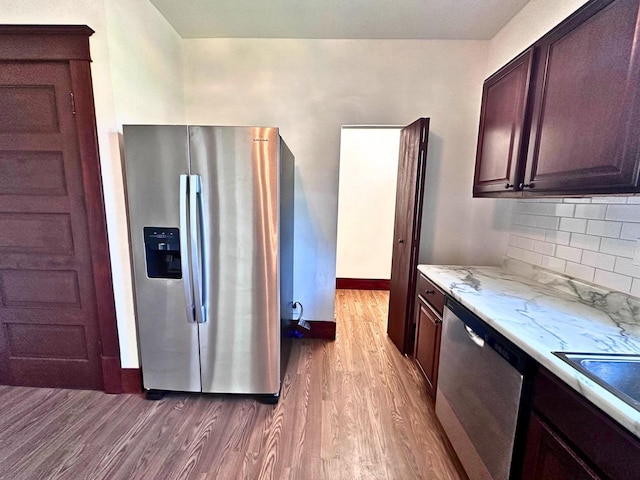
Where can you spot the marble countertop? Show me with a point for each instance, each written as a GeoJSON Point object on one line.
{"type": "Point", "coordinates": [560, 314]}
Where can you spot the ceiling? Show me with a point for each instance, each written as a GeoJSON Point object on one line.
{"type": "Point", "coordinates": [357, 19]}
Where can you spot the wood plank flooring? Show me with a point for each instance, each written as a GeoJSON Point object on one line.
{"type": "Point", "coordinates": [350, 409]}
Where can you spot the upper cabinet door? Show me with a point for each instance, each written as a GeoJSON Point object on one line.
{"type": "Point", "coordinates": [586, 116]}
{"type": "Point", "coordinates": [502, 135]}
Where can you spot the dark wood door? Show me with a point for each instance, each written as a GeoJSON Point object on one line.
{"type": "Point", "coordinates": [406, 232]}
{"type": "Point", "coordinates": [548, 457]}
{"type": "Point", "coordinates": [427, 345]}
{"type": "Point", "coordinates": [502, 137]}
{"type": "Point", "coordinates": [49, 308]}
{"type": "Point", "coordinates": [586, 109]}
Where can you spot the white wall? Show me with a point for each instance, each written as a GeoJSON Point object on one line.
{"type": "Point", "coordinates": [145, 56]}
{"type": "Point", "coordinates": [137, 77]}
{"type": "Point", "coordinates": [146, 64]}
{"type": "Point", "coordinates": [366, 201]}
{"type": "Point", "coordinates": [310, 88]}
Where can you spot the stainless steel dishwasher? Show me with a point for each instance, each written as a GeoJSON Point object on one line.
{"type": "Point", "coordinates": [479, 401]}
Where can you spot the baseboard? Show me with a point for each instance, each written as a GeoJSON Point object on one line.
{"type": "Point", "coordinates": [111, 374]}
{"type": "Point", "coordinates": [131, 380]}
{"type": "Point", "coordinates": [319, 329]}
{"type": "Point", "coordinates": [362, 284]}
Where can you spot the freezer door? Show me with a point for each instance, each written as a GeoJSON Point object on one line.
{"type": "Point", "coordinates": [155, 158]}
{"type": "Point", "coordinates": [240, 337]}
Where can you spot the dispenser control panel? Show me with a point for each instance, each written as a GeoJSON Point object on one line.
{"type": "Point", "coordinates": [162, 249]}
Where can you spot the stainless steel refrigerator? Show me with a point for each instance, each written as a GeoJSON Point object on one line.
{"type": "Point", "coordinates": [211, 229]}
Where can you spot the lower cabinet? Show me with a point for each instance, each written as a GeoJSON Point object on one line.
{"type": "Point", "coordinates": [569, 438]}
{"type": "Point", "coordinates": [548, 457]}
{"type": "Point", "coordinates": [427, 343]}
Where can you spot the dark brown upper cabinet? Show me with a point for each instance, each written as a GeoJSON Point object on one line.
{"type": "Point", "coordinates": [581, 115]}
{"type": "Point", "coordinates": [501, 140]}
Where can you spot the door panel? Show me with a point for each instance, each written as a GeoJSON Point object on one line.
{"type": "Point", "coordinates": [33, 109]}
{"type": "Point", "coordinates": [501, 138]}
{"type": "Point", "coordinates": [155, 157]}
{"type": "Point", "coordinates": [548, 457]}
{"type": "Point", "coordinates": [586, 112]}
{"type": "Point", "coordinates": [240, 341]}
{"type": "Point", "coordinates": [427, 348]}
{"type": "Point", "coordinates": [48, 316]}
{"type": "Point", "coordinates": [406, 232]}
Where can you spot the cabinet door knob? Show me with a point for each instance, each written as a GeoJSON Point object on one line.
{"type": "Point", "coordinates": [429, 292]}
{"type": "Point", "coordinates": [400, 240]}
{"type": "Point", "coordinates": [508, 186]}
{"type": "Point", "coordinates": [526, 185]}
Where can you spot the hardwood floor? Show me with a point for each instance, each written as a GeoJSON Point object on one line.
{"type": "Point", "coordinates": [350, 409]}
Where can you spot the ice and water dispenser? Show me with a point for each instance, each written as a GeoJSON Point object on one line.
{"type": "Point", "coordinates": [162, 249]}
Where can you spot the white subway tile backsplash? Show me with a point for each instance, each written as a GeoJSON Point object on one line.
{"type": "Point", "coordinates": [563, 210]}
{"type": "Point", "coordinates": [592, 239]}
{"type": "Point", "coordinates": [554, 263]}
{"type": "Point", "coordinates": [531, 232]}
{"type": "Point", "coordinates": [533, 208]}
{"type": "Point", "coordinates": [623, 213]}
{"type": "Point", "coordinates": [559, 238]}
{"type": "Point", "coordinates": [597, 212]}
{"type": "Point", "coordinates": [544, 247]}
{"type": "Point", "coordinates": [604, 228]}
{"type": "Point", "coordinates": [621, 248]}
{"type": "Point", "coordinates": [518, 229]}
{"type": "Point", "coordinates": [577, 225]}
{"type": "Point", "coordinates": [611, 200]}
{"type": "Point", "coordinates": [515, 252]}
{"type": "Point", "coordinates": [550, 223]}
{"type": "Point", "coordinates": [524, 243]}
{"type": "Point", "coordinates": [532, 257]}
{"type": "Point", "coordinates": [612, 280]}
{"type": "Point", "coordinates": [528, 220]}
{"type": "Point", "coordinates": [625, 266]}
{"type": "Point", "coordinates": [598, 260]}
{"type": "Point", "coordinates": [582, 272]}
{"type": "Point", "coordinates": [569, 253]}
{"type": "Point", "coordinates": [586, 242]}
{"type": "Point", "coordinates": [630, 231]}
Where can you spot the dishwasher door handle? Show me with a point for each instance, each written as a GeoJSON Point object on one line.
{"type": "Point", "coordinates": [475, 338]}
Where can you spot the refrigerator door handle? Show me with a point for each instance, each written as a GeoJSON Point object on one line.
{"type": "Point", "coordinates": [185, 264]}
{"type": "Point", "coordinates": [195, 225]}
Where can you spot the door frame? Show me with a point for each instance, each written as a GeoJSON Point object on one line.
{"type": "Point", "coordinates": [70, 44]}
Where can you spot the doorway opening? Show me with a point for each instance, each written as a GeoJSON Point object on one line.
{"type": "Point", "coordinates": [366, 205]}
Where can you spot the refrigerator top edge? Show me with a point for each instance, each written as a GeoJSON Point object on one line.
{"type": "Point", "coordinates": [184, 125]}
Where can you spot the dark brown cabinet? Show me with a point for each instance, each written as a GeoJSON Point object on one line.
{"type": "Point", "coordinates": [581, 114]}
{"type": "Point", "coordinates": [501, 141]}
{"type": "Point", "coordinates": [429, 308]}
{"type": "Point", "coordinates": [569, 438]}
{"type": "Point", "coordinates": [550, 458]}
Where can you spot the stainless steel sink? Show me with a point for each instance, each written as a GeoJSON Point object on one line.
{"type": "Point", "coordinates": [620, 374]}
